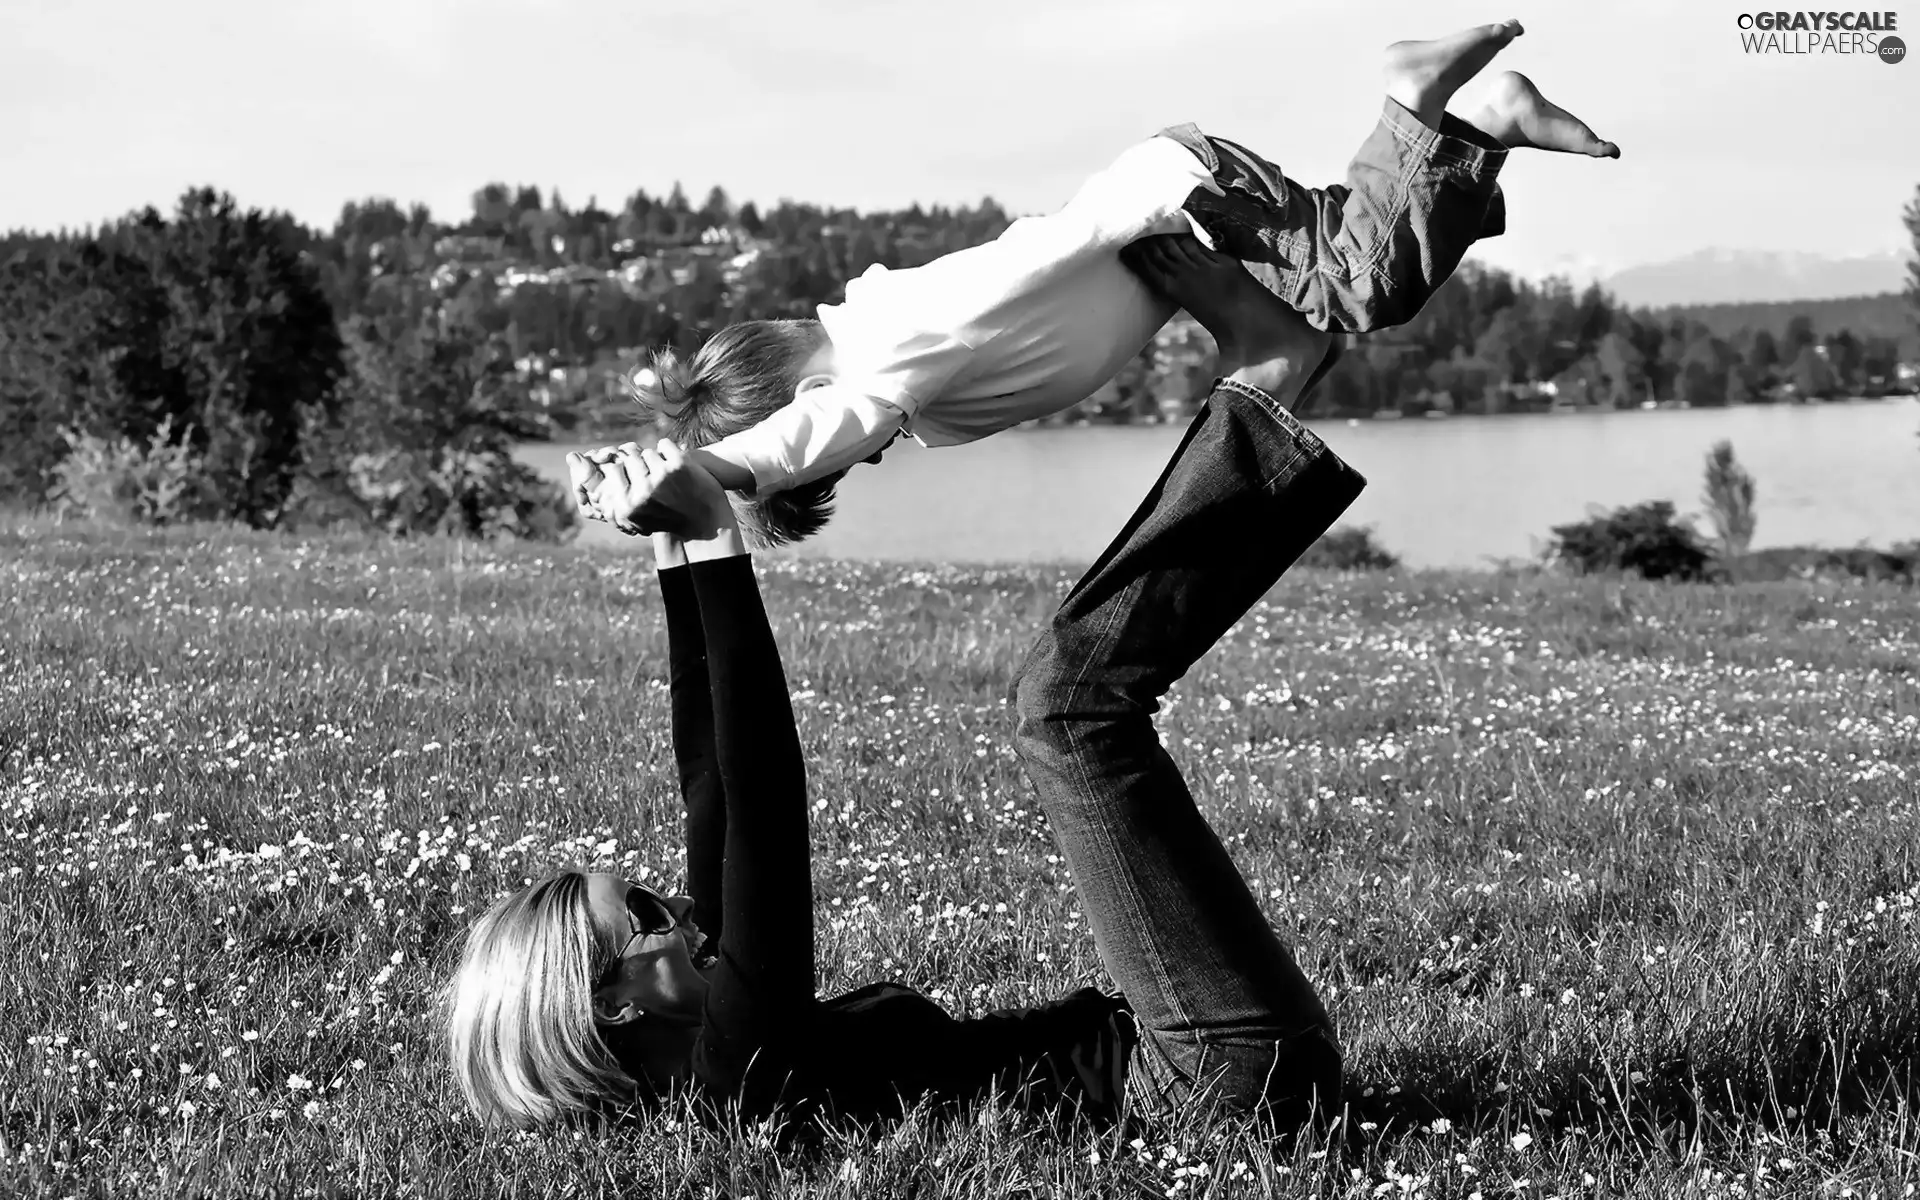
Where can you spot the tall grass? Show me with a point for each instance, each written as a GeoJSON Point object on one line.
{"type": "Point", "coordinates": [1611, 886]}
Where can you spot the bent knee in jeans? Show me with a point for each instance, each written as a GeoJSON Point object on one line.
{"type": "Point", "coordinates": [1074, 735]}
{"type": "Point", "coordinates": [1292, 1079]}
{"type": "Point", "coordinates": [1049, 697]}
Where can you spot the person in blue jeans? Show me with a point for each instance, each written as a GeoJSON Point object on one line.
{"type": "Point", "coordinates": [1221, 1010]}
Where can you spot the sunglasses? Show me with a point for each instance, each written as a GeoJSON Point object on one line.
{"type": "Point", "coordinates": [648, 914]}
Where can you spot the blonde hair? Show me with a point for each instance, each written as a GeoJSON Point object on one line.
{"type": "Point", "coordinates": [741, 376]}
{"type": "Point", "coordinates": [520, 1024]}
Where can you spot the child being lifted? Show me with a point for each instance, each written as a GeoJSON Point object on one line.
{"type": "Point", "coordinates": [1035, 321]}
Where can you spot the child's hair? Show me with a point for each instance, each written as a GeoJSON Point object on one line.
{"type": "Point", "coordinates": [741, 376]}
{"type": "Point", "coordinates": [520, 1024]}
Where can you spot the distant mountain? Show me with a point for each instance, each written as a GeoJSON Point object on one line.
{"type": "Point", "coordinates": [1749, 276]}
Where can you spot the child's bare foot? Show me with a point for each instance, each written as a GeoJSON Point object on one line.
{"type": "Point", "coordinates": [1423, 76]}
{"type": "Point", "coordinates": [1516, 115]}
{"type": "Point", "coordinates": [1263, 341]}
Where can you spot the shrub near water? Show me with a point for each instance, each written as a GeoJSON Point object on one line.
{"type": "Point", "coordinates": [1642, 539]}
{"type": "Point", "coordinates": [1349, 548]}
{"type": "Point", "coordinates": [1610, 887]}
{"type": "Point", "coordinates": [1729, 498]}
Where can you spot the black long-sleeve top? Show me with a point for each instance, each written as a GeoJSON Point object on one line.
{"type": "Point", "coordinates": [766, 1039]}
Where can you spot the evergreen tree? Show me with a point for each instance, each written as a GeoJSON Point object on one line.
{"type": "Point", "coordinates": [1812, 379]}
{"type": "Point", "coordinates": [1508, 346]}
{"type": "Point", "coordinates": [1844, 354]}
{"type": "Point", "coordinates": [1799, 336]}
{"type": "Point", "coordinates": [1911, 218]}
{"type": "Point", "coordinates": [1739, 388]}
{"type": "Point", "coordinates": [1879, 362]}
{"type": "Point", "coordinates": [249, 338]}
{"type": "Point", "coordinates": [1623, 366]}
{"type": "Point", "coordinates": [56, 371]}
{"type": "Point", "coordinates": [716, 212]}
{"type": "Point", "coordinates": [1702, 379]}
{"type": "Point", "coordinates": [213, 327]}
{"type": "Point", "coordinates": [492, 211]}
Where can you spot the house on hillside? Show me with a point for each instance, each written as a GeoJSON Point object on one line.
{"type": "Point", "coordinates": [470, 248]}
{"type": "Point", "coordinates": [1533, 395]}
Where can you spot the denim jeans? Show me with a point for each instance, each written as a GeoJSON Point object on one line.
{"type": "Point", "coordinates": [1363, 256]}
{"type": "Point", "coordinates": [1223, 1011]}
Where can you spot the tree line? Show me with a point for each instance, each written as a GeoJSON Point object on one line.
{"type": "Point", "coordinates": [382, 370]}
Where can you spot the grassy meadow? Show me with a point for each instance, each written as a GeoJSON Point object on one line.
{"type": "Point", "coordinates": [1613, 888]}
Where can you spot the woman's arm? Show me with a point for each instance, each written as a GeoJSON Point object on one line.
{"type": "Point", "coordinates": [762, 986]}
{"type": "Point", "coordinates": [763, 983]}
{"type": "Point", "coordinates": [692, 723]}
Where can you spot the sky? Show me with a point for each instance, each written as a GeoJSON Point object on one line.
{"type": "Point", "coordinates": [110, 105]}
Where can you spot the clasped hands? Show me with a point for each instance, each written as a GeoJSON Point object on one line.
{"type": "Point", "coordinates": [640, 491]}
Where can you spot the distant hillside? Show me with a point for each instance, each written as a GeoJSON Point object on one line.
{"type": "Point", "coordinates": [1719, 276]}
{"type": "Point", "coordinates": [1889, 314]}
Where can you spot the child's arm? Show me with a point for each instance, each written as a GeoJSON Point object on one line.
{"type": "Point", "coordinates": [826, 429]}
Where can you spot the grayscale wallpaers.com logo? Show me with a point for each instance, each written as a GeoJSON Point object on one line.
{"type": "Point", "coordinates": [1869, 34]}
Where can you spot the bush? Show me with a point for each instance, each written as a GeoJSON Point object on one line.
{"type": "Point", "coordinates": [1901, 564]}
{"type": "Point", "coordinates": [122, 481]}
{"type": "Point", "coordinates": [1349, 548]}
{"type": "Point", "coordinates": [1645, 539]}
{"type": "Point", "coordinates": [441, 491]}
{"type": "Point", "coordinates": [1729, 499]}
{"type": "Point", "coordinates": [423, 439]}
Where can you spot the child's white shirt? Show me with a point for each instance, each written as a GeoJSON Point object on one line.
{"type": "Point", "coordinates": [982, 339]}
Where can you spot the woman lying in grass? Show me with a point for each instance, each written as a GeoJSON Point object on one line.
{"type": "Point", "coordinates": [588, 991]}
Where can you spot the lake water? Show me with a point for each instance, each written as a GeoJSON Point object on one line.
{"type": "Point", "coordinates": [1463, 491]}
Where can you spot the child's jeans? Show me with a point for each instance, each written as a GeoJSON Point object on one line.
{"type": "Point", "coordinates": [1365, 256]}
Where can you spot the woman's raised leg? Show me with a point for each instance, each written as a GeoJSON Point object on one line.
{"type": "Point", "coordinates": [1220, 1001]}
